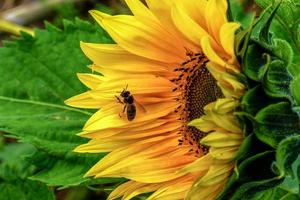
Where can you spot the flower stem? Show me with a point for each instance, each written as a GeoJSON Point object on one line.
{"type": "Point", "coordinates": [13, 28]}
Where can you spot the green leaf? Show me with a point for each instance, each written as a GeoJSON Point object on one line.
{"type": "Point", "coordinates": [247, 149]}
{"type": "Point", "coordinates": [286, 26]}
{"type": "Point", "coordinates": [298, 172]}
{"type": "Point", "coordinates": [290, 185]}
{"type": "Point", "coordinates": [276, 122]}
{"type": "Point", "coordinates": [66, 172]}
{"type": "Point", "coordinates": [261, 32]}
{"type": "Point", "coordinates": [290, 197]}
{"type": "Point", "coordinates": [38, 74]}
{"type": "Point", "coordinates": [287, 153]}
{"type": "Point", "coordinates": [255, 190]}
{"type": "Point", "coordinates": [287, 17]}
{"type": "Point", "coordinates": [255, 99]}
{"type": "Point", "coordinates": [272, 194]}
{"type": "Point", "coordinates": [283, 50]}
{"type": "Point", "coordinates": [241, 43]}
{"type": "Point", "coordinates": [247, 166]}
{"type": "Point", "coordinates": [297, 110]}
{"type": "Point", "coordinates": [295, 90]}
{"type": "Point", "coordinates": [252, 175]}
{"type": "Point", "coordinates": [255, 175]}
{"type": "Point", "coordinates": [255, 62]}
{"type": "Point", "coordinates": [272, 63]}
{"type": "Point", "coordinates": [277, 80]}
{"type": "Point", "coordinates": [262, 49]}
{"type": "Point", "coordinates": [268, 59]}
{"type": "Point", "coordinates": [14, 170]}
{"type": "Point", "coordinates": [12, 161]}
{"type": "Point", "coordinates": [25, 190]}
{"type": "Point", "coordinates": [1, 141]}
{"type": "Point", "coordinates": [252, 47]}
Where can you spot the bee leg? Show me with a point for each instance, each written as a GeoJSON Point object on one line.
{"type": "Point", "coordinates": [119, 100]}
{"type": "Point", "coordinates": [124, 108]}
{"type": "Point", "coordinates": [120, 115]}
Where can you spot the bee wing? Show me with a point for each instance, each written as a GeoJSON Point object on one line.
{"type": "Point", "coordinates": [140, 106]}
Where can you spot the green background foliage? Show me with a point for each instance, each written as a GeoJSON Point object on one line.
{"type": "Point", "coordinates": [14, 170]}
{"type": "Point", "coordinates": [38, 75]}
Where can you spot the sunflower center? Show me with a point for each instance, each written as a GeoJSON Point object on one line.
{"type": "Point", "coordinates": [198, 88]}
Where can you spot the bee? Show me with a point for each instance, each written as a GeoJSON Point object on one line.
{"type": "Point", "coordinates": [129, 103]}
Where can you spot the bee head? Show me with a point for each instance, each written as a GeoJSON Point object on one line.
{"type": "Point", "coordinates": [125, 93]}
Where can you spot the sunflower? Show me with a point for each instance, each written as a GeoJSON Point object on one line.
{"type": "Point", "coordinates": [176, 60]}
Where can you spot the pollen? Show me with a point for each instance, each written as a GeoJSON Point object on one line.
{"type": "Point", "coordinates": [198, 88]}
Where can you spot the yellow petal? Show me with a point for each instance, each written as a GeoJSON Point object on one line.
{"type": "Point", "coordinates": [204, 124]}
{"type": "Point", "coordinates": [140, 39]}
{"type": "Point", "coordinates": [84, 100]}
{"type": "Point", "coordinates": [187, 26]}
{"type": "Point", "coordinates": [145, 166]}
{"type": "Point", "coordinates": [201, 164]}
{"type": "Point", "coordinates": [222, 139]}
{"type": "Point", "coordinates": [229, 84]}
{"type": "Point", "coordinates": [143, 14]}
{"type": "Point", "coordinates": [227, 35]}
{"type": "Point", "coordinates": [216, 16]}
{"type": "Point", "coordinates": [141, 11]}
{"type": "Point", "coordinates": [227, 121]}
{"type": "Point", "coordinates": [134, 83]}
{"type": "Point", "coordinates": [119, 154]}
{"type": "Point", "coordinates": [107, 133]}
{"type": "Point", "coordinates": [228, 153]}
{"type": "Point", "coordinates": [129, 134]}
{"type": "Point", "coordinates": [131, 189]}
{"type": "Point", "coordinates": [176, 191]}
{"type": "Point", "coordinates": [195, 9]}
{"type": "Point", "coordinates": [158, 87]}
{"type": "Point", "coordinates": [129, 73]}
{"type": "Point", "coordinates": [91, 80]}
{"type": "Point", "coordinates": [210, 52]}
{"type": "Point", "coordinates": [112, 56]}
{"type": "Point", "coordinates": [100, 146]}
{"type": "Point", "coordinates": [225, 105]}
{"type": "Point", "coordinates": [216, 174]}
{"type": "Point", "coordinates": [236, 85]}
{"type": "Point", "coordinates": [162, 9]}
{"type": "Point", "coordinates": [205, 193]}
